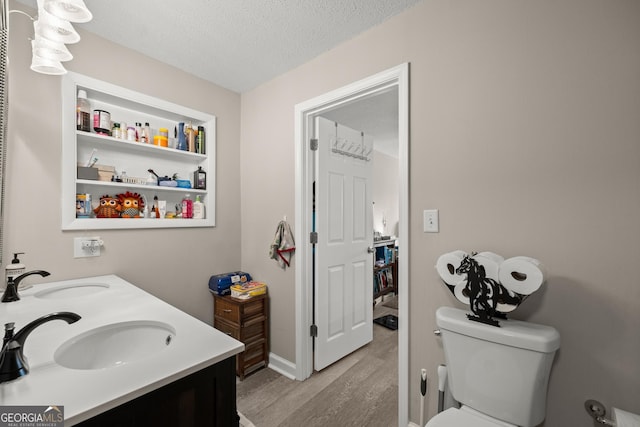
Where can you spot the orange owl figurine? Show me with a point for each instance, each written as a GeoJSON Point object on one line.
{"type": "Point", "coordinates": [131, 204]}
{"type": "Point", "coordinates": [109, 207]}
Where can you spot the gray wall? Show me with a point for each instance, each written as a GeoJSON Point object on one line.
{"type": "Point", "coordinates": [173, 264]}
{"type": "Point", "coordinates": [525, 135]}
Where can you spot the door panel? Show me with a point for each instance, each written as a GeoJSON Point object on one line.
{"type": "Point", "coordinates": [343, 296]}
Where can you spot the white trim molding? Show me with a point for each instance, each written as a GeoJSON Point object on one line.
{"type": "Point", "coordinates": [304, 114]}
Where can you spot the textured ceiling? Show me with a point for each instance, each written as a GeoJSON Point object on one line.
{"type": "Point", "coordinates": [240, 44]}
{"type": "Point", "coordinates": [237, 44]}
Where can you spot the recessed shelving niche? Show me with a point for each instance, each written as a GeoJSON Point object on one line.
{"type": "Point", "coordinates": [134, 158]}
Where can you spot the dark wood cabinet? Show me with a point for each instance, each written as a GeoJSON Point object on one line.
{"type": "Point", "coordinates": [205, 398]}
{"type": "Point", "coordinates": [246, 320]}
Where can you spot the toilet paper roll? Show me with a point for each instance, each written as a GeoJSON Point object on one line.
{"type": "Point", "coordinates": [625, 419]}
{"type": "Point", "coordinates": [507, 308]}
{"type": "Point", "coordinates": [457, 291]}
{"type": "Point", "coordinates": [522, 275]}
{"type": "Point", "coordinates": [486, 254]}
{"type": "Point", "coordinates": [447, 264]}
{"type": "Point", "coordinates": [491, 263]}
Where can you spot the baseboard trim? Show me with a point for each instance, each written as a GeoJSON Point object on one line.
{"type": "Point", "coordinates": [282, 366]}
{"type": "Point", "coordinates": [244, 422]}
{"type": "Point", "coordinates": [412, 424]}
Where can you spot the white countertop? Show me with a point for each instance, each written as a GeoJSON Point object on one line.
{"type": "Point", "coordinates": [86, 393]}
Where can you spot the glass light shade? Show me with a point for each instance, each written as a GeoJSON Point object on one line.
{"type": "Point", "coordinates": [71, 10]}
{"type": "Point", "coordinates": [47, 66]}
{"type": "Point", "coordinates": [55, 29]}
{"type": "Point", "coordinates": [50, 50]}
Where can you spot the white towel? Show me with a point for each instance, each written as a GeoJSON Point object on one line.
{"type": "Point", "coordinates": [283, 245]}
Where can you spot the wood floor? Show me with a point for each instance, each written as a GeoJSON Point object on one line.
{"type": "Point", "coordinates": [358, 390]}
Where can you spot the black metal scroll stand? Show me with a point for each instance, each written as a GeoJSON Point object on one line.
{"type": "Point", "coordinates": [483, 293]}
{"type": "Point", "coordinates": [486, 319]}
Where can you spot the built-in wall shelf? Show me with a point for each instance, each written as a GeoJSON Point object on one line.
{"type": "Point", "coordinates": [132, 159]}
{"type": "Point", "coordinates": [385, 270]}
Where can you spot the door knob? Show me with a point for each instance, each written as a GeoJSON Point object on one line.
{"type": "Point", "coordinates": [371, 250]}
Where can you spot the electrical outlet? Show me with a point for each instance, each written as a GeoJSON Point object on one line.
{"type": "Point", "coordinates": [431, 224]}
{"type": "Point", "coordinates": [86, 247]}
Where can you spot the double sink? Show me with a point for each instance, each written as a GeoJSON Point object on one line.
{"type": "Point", "coordinates": [126, 344]}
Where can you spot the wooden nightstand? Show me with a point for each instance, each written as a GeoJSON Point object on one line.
{"type": "Point", "coordinates": [247, 321]}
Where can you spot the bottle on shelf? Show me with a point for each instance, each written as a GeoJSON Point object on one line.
{"type": "Point", "coordinates": [187, 207]}
{"type": "Point", "coordinates": [198, 208]}
{"type": "Point", "coordinates": [191, 138]}
{"type": "Point", "coordinates": [182, 137]}
{"type": "Point", "coordinates": [115, 131]}
{"type": "Point", "coordinates": [83, 112]}
{"type": "Point", "coordinates": [138, 131]}
{"type": "Point", "coordinates": [131, 134]}
{"type": "Point", "coordinates": [200, 140]}
{"type": "Point", "coordinates": [200, 179]}
{"type": "Point", "coordinates": [145, 135]}
{"type": "Point", "coordinates": [156, 211]}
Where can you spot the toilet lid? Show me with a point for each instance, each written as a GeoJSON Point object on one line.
{"type": "Point", "coordinates": [453, 417]}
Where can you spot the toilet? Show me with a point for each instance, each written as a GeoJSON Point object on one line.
{"type": "Point", "coordinates": [499, 375]}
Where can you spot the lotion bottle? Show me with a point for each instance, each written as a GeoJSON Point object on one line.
{"type": "Point", "coordinates": [198, 209]}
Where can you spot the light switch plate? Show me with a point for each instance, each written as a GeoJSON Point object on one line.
{"type": "Point", "coordinates": [431, 224]}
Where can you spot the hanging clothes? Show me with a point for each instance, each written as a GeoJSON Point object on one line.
{"type": "Point", "coordinates": [283, 245]}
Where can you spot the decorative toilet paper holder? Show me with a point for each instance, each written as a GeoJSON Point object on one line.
{"type": "Point", "coordinates": [597, 411]}
{"type": "Point", "coordinates": [488, 284]}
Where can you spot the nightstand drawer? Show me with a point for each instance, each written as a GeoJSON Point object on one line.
{"type": "Point", "coordinates": [232, 331]}
{"type": "Point", "coordinates": [227, 310]}
{"type": "Point", "coordinates": [254, 329]}
{"type": "Point", "coordinates": [254, 308]}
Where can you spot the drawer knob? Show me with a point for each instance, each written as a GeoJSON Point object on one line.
{"type": "Point", "coordinates": [226, 310]}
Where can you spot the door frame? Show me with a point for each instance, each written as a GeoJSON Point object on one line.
{"type": "Point", "coordinates": [304, 114]}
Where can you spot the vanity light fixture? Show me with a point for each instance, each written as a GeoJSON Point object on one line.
{"type": "Point", "coordinates": [45, 64]}
{"type": "Point", "coordinates": [71, 10]}
{"type": "Point", "coordinates": [52, 31]}
{"type": "Point", "coordinates": [52, 28]}
{"type": "Point", "coordinates": [50, 50]}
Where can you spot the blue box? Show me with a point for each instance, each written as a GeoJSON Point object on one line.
{"type": "Point", "coordinates": [220, 284]}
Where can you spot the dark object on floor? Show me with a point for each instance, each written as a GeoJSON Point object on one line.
{"type": "Point", "coordinates": [389, 321]}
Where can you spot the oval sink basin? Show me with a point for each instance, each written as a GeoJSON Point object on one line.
{"type": "Point", "coordinates": [114, 345]}
{"type": "Point", "coordinates": [72, 291]}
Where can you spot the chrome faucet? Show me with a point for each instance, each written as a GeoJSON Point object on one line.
{"type": "Point", "coordinates": [13, 363]}
{"type": "Point", "coordinates": [11, 292]}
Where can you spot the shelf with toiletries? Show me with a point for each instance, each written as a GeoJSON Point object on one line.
{"type": "Point", "coordinates": [167, 163]}
{"type": "Point", "coordinates": [107, 142]}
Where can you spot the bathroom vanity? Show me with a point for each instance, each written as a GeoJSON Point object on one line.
{"type": "Point", "coordinates": [130, 360]}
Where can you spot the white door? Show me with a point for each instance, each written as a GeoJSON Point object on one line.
{"type": "Point", "coordinates": [343, 296]}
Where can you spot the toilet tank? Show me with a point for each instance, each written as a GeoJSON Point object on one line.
{"type": "Point", "coordinates": [501, 371]}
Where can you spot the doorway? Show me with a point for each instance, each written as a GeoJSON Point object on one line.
{"type": "Point", "coordinates": [305, 114]}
